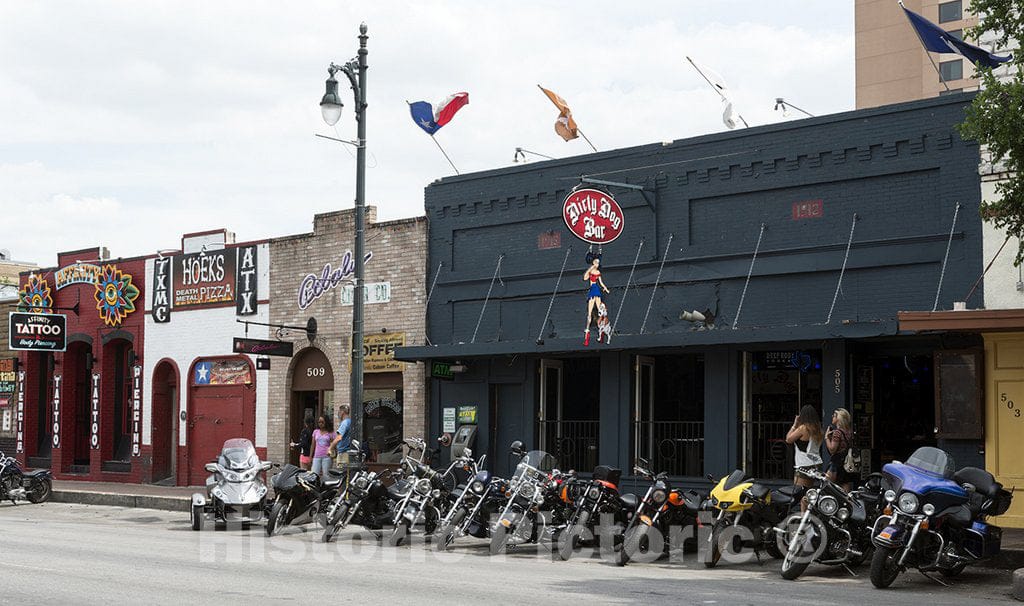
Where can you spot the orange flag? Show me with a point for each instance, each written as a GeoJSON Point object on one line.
{"type": "Point", "coordinates": [565, 126]}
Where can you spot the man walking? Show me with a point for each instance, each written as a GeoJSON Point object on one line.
{"type": "Point", "coordinates": [343, 442]}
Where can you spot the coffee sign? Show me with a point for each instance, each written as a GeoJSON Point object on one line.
{"type": "Point", "coordinates": [593, 216]}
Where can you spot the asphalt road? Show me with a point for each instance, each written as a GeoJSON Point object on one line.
{"type": "Point", "coordinates": [85, 554]}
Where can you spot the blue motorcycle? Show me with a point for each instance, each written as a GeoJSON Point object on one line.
{"type": "Point", "coordinates": [934, 519]}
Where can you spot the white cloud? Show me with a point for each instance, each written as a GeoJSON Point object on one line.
{"type": "Point", "coordinates": [156, 119]}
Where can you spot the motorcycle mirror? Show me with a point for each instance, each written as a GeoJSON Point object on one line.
{"type": "Point", "coordinates": [211, 467]}
{"type": "Point", "coordinates": [468, 453]}
{"type": "Point", "coordinates": [710, 477]}
{"type": "Point", "coordinates": [265, 465]}
{"type": "Point", "coordinates": [355, 445]}
{"type": "Point", "coordinates": [517, 447]}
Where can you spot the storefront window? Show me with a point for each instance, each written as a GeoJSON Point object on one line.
{"type": "Point", "coordinates": [382, 424]}
{"type": "Point", "coordinates": [570, 402]}
{"type": "Point", "coordinates": [668, 413]}
{"type": "Point", "coordinates": [778, 385]}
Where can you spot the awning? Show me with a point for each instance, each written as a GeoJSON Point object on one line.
{"type": "Point", "coordinates": [691, 338]}
{"type": "Point", "coordinates": [967, 320]}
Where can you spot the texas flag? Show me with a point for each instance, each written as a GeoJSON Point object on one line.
{"type": "Point", "coordinates": [431, 119]}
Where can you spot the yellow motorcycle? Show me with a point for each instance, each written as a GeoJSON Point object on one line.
{"type": "Point", "coordinates": [752, 511]}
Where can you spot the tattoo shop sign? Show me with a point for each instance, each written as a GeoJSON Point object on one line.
{"type": "Point", "coordinates": [593, 216]}
{"type": "Point", "coordinates": [218, 278]}
{"type": "Point", "coordinates": [37, 332]}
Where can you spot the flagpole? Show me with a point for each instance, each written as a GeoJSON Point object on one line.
{"type": "Point", "coordinates": [445, 154]}
{"type": "Point", "coordinates": [586, 139]}
{"type": "Point", "coordinates": [712, 85]}
{"type": "Point", "coordinates": [926, 51]}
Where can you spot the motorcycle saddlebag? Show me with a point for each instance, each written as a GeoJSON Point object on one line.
{"type": "Point", "coordinates": [998, 505]}
{"type": "Point", "coordinates": [983, 540]}
{"type": "Point", "coordinates": [607, 474]}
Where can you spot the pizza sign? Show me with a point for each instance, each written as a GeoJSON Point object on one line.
{"type": "Point", "coordinates": [593, 216]}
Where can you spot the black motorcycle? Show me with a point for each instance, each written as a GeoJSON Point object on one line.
{"type": "Point", "coordinates": [661, 509]}
{"type": "Point", "coordinates": [426, 496]}
{"type": "Point", "coordinates": [600, 499]}
{"type": "Point", "coordinates": [34, 486]}
{"type": "Point", "coordinates": [532, 500]}
{"type": "Point", "coordinates": [834, 528]}
{"type": "Point", "coordinates": [474, 502]}
{"type": "Point", "coordinates": [301, 497]}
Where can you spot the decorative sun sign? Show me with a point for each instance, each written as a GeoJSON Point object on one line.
{"type": "Point", "coordinates": [593, 216]}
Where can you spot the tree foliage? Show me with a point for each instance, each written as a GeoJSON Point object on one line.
{"type": "Point", "coordinates": [996, 117]}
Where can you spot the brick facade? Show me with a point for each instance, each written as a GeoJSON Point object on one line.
{"type": "Point", "coordinates": [399, 254]}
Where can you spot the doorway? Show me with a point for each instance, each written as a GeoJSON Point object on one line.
{"type": "Point", "coordinates": [312, 394]}
{"type": "Point", "coordinates": [568, 419]}
{"type": "Point", "coordinates": [164, 426]}
{"type": "Point", "coordinates": [893, 405]}
{"type": "Point", "coordinates": [668, 413]}
{"type": "Point", "coordinates": [78, 366]}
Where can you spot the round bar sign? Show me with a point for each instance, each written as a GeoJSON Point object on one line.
{"type": "Point", "coordinates": [593, 216]}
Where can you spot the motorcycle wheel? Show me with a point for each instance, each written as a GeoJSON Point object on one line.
{"type": "Point", "coordinates": [794, 564]}
{"type": "Point", "coordinates": [41, 491]}
{"type": "Point", "coordinates": [884, 568]}
{"type": "Point", "coordinates": [954, 570]}
{"type": "Point", "coordinates": [444, 537]}
{"type": "Point", "coordinates": [634, 542]}
{"type": "Point", "coordinates": [397, 536]}
{"type": "Point", "coordinates": [334, 522]}
{"type": "Point", "coordinates": [499, 540]}
{"type": "Point", "coordinates": [275, 521]}
{"type": "Point", "coordinates": [568, 544]}
{"type": "Point", "coordinates": [770, 544]}
{"type": "Point", "coordinates": [196, 513]}
{"type": "Point", "coordinates": [716, 548]}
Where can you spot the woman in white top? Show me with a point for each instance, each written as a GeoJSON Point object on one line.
{"type": "Point", "coordinates": [806, 435]}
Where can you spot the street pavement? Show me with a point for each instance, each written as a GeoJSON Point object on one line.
{"type": "Point", "coordinates": [88, 554]}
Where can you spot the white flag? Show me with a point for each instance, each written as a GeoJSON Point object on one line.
{"type": "Point", "coordinates": [729, 114]}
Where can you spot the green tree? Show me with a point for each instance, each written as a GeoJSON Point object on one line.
{"type": "Point", "coordinates": [996, 117]}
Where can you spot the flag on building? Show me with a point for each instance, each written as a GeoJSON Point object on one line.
{"type": "Point", "coordinates": [730, 117]}
{"type": "Point", "coordinates": [938, 40]}
{"type": "Point", "coordinates": [565, 126]}
{"type": "Point", "coordinates": [430, 119]}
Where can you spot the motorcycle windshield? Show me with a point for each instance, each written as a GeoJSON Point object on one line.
{"type": "Point", "coordinates": [540, 460]}
{"type": "Point", "coordinates": [238, 453]}
{"type": "Point", "coordinates": [932, 460]}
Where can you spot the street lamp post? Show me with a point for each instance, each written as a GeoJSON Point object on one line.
{"type": "Point", "coordinates": [330, 107]}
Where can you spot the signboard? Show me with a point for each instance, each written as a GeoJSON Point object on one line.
{"type": "Point", "coordinates": [379, 352]}
{"type": "Point", "coordinates": [161, 306]}
{"type": "Point", "coordinates": [227, 371]}
{"type": "Point", "coordinates": [80, 273]}
{"type": "Point", "coordinates": [37, 332]}
{"type": "Point", "coordinates": [8, 378]}
{"type": "Point", "coordinates": [55, 440]}
{"type": "Point", "coordinates": [245, 281]}
{"type": "Point", "coordinates": [593, 216]}
{"type": "Point", "coordinates": [94, 414]}
{"type": "Point", "coordinates": [448, 420]}
{"type": "Point", "coordinates": [441, 370]}
{"type": "Point", "coordinates": [136, 410]}
{"type": "Point", "coordinates": [467, 414]}
{"type": "Point", "coordinates": [375, 292]}
{"type": "Point", "coordinates": [204, 279]}
{"type": "Point", "coordinates": [314, 286]}
{"type": "Point", "coordinates": [20, 413]}
{"type": "Point", "coordinates": [263, 347]}
{"type": "Point", "coordinates": [808, 209]}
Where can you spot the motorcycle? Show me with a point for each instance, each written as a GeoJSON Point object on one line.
{"type": "Point", "coordinates": [35, 486]}
{"type": "Point", "coordinates": [833, 530]}
{"type": "Point", "coordinates": [422, 498]}
{"type": "Point", "coordinates": [234, 490]}
{"type": "Point", "coordinates": [935, 518]}
{"type": "Point", "coordinates": [368, 500]}
{"type": "Point", "coordinates": [740, 502]}
{"type": "Point", "coordinates": [531, 500]}
{"type": "Point", "coordinates": [301, 497]}
{"type": "Point", "coordinates": [600, 498]}
{"type": "Point", "coordinates": [660, 509]}
{"type": "Point", "coordinates": [475, 501]}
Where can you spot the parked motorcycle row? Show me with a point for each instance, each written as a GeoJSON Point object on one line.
{"type": "Point", "coordinates": [16, 484]}
{"type": "Point", "coordinates": [922, 514]}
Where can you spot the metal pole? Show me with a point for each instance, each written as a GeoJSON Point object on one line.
{"type": "Point", "coordinates": [356, 377]}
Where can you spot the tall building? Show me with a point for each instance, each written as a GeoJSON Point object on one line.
{"type": "Point", "coordinates": [892, 66]}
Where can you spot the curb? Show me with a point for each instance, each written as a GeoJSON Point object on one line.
{"type": "Point", "coordinates": [1018, 584]}
{"type": "Point", "coordinates": [122, 500]}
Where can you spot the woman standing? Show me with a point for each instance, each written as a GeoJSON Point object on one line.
{"type": "Point", "coordinates": [839, 440]}
{"type": "Point", "coordinates": [323, 435]}
{"type": "Point", "coordinates": [593, 275]}
{"type": "Point", "coordinates": [806, 435]}
{"type": "Point", "coordinates": [303, 443]}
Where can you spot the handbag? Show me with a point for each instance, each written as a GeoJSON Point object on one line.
{"type": "Point", "coordinates": [851, 464]}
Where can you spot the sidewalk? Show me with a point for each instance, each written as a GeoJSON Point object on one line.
{"type": "Point", "coordinates": [171, 498]}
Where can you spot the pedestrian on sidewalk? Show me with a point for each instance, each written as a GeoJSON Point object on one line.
{"type": "Point", "coordinates": [839, 440]}
{"type": "Point", "coordinates": [805, 434]}
{"type": "Point", "coordinates": [323, 437]}
{"type": "Point", "coordinates": [304, 442]}
{"type": "Point", "coordinates": [343, 442]}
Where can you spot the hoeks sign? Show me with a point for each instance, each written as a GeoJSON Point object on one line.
{"type": "Point", "coordinates": [593, 216]}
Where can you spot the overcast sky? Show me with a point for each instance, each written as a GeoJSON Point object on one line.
{"type": "Point", "coordinates": [127, 124]}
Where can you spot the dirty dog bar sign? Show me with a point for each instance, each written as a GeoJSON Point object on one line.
{"type": "Point", "coordinates": [593, 216]}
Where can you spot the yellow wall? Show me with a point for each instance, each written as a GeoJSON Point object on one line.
{"type": "Point", "coordinates": [1004, 418]}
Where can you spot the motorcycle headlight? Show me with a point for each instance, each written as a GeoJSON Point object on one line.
{"type": "Point", "coordinates": [928, 509]}
{"type": "Point", "coordinates": [230, 476]}
{"type": "Point", "coordinates": [659, 496]}
{"type": "Point", "coordinates": [812, 496]}
{"type": "Point", "coordinates": [908, 502]}
{"type": "Point", "coordinates": [593, 492]}
{"type": "Point", "coordinates": [828, 505]}
{"type": "Point", "coordinates": [890, 495]}
{"type": "Point", "coordinates": [422, 486]}
{"type": "Point", "coordinates": [360, 482]}
{"type": "Point", "coordinates": [477, 486]}
{"type": "Point", "coordinates": [527, 490]}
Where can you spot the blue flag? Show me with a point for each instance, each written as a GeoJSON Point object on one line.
{"type": "Point", "coordinates": [430, 119]}
{"type": "Point", "coordinates": [938, 40]}
{"type": "Point", "coordinates": [423, 116]}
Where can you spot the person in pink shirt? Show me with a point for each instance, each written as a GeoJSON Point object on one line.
{"type": "Point", "coordinates": [323, 435]}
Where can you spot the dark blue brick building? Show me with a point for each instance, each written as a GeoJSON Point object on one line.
{"type": "Point", "coordinates": [704, 398]}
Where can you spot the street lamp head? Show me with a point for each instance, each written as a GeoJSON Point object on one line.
{"type": "Point", "coordinates": [330, 105]}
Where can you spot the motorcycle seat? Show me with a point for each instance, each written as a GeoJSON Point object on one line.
{"type": "Point", "coordinates": [758, 491]}
{"type": "Point", "coordinates": [332, 483]}
{"type": "Point", "coordinates": [395, 492]}
{"type": "Point", "coordinates": [37, 473]}
{"type": "Point", "coordinates": [629, 501]}
{"type": "Point", "coordinates": [781, 498]}
{"type": "Point", "coordinates": [984, 482]}
{"type": "Point", "coordinates": [335, 474]}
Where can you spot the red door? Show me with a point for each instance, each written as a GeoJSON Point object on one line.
{"type": "Point", "coordinates": [217, 414]}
